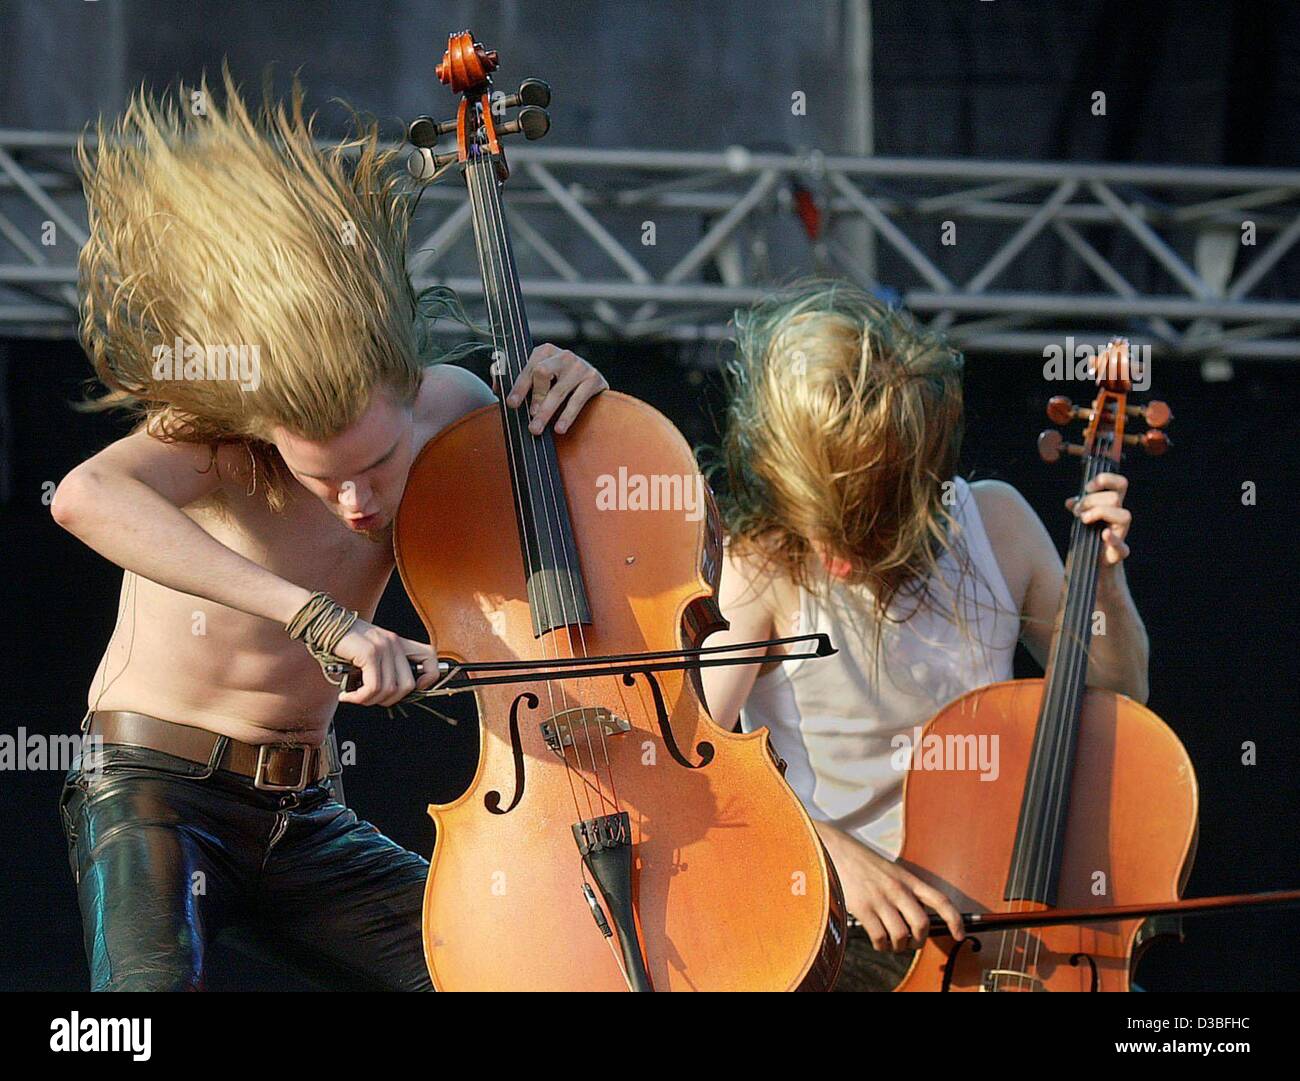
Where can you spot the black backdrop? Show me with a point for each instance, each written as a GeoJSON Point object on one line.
{"type": "Point", "coordinates": [1214, 579]}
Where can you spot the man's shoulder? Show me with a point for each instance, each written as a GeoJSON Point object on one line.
{"type": "Point", "coordinates": [446, 394]}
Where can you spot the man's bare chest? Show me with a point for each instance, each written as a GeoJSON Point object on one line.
{"type": "Point", "coordinates": [306, 544]}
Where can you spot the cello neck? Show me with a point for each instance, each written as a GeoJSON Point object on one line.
{"type": "Point", "coordinates": [512, 340]}
{"type": "Point", "coordinates": [557, 593]}
{"type": "Point", "coordinates": [1067, 665]}
{"type": "Point", "coordinates": [1036, 858]}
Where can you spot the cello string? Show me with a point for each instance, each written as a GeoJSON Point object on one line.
{"type": "Point", "coordinates": [1039, 772]}
{"type": "Point", "coordinates": [1061, 703]}
{"type": "Point", "coordinates": [512, 426]}
{"type": "Point", "coordinates": [1044, 767]}
{"type": "Point", "coordinates": [515, 444]}
{"type": "Point", "coordinates": [554, 493]}
{"type": "Point", "coordinates": [513, 323]}
{"type": "Point", "coordinates": [531, 475]}
{"type": "Point", "coordinates": [1072, 690]}
{"type": "Point", "coordinates": [1010, 942]}
{"type": "Point", "coordinates": [544, 472]}
{"type": "Point", "coordinates": [1069, 710]}
{"type": "Point", "coordinates": [1075, 686]}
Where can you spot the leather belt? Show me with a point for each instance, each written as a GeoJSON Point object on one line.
{"type": "Point", "coordinates": [272, 767]}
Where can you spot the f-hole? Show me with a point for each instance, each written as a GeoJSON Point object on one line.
{"type": "Point", "coordinates": [1077, 957]}
{"type": "Point", "coordinates": [951, 964]}
{"type": "Point", "coordinates": [492, 800]}
{"type": "Point", "coordinates": [704, 748]}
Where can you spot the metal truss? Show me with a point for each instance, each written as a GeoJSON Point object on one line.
{"type": "Point", "coordinates": [661, 245]}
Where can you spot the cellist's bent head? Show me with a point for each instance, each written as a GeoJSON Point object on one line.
{"type": "Point", "coordinates": [239, 284]}
{"type": "Point", "coordinates": [844, 424]}
{"type": "Point", "coordinates": [361, 472]}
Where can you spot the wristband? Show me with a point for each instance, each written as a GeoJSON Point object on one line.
{"type": "Point", "coordinates": [321, 624]}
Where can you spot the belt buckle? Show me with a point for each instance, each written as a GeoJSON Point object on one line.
{"type": "Point", "coordinates": [259, 775]}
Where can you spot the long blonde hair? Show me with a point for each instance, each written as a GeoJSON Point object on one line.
{"type": "Point", "coordinates": [844, 425]}
{"type": "Point", "coordinates": [215, 227]}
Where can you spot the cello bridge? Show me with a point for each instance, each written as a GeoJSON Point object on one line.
{"type": "Point", "coordinates": [559, 731]}
{"type": "Point", "coordinates": [1024, 980]}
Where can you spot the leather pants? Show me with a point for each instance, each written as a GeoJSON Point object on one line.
{"type": "Point", "coordinates": [168, 854]}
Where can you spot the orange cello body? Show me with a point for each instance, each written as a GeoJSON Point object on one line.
{"type": "Point", "coordinates": [732, 888]}
{"type": "Point", "coordinates": [1091, 801]}
{"type": "Point", "coordinates": [1130, 838]}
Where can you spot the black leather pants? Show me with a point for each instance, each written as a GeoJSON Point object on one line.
{"type": "Point", "coordinates": [167, 856]}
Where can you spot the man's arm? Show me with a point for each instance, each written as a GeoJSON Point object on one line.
{"type": "Point", "coordinates": [126, 502]}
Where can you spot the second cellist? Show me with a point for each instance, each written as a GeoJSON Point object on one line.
{"type": "Point", "coordinates": [847, 518]}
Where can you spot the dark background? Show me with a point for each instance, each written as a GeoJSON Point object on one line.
{"type": "Point", "coordinates": [1213, 578]}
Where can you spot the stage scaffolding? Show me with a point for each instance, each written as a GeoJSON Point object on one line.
{"type": "Point", "coordinates": [1198, 262]}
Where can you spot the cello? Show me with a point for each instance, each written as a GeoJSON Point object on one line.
{"type": "Point", "coordinates": [613, 837]}
{"type": "Point", "coordinates": [1089, 831]}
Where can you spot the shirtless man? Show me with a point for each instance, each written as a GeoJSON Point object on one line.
{"type": "Point", "coordinates": [235, 508]}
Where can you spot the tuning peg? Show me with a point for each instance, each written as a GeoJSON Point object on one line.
{"type": "Point", "coordinates": [1157, 414]}
{"type": "Point", "coordinates": [532, 120]}
{"type": "Point", "coordinates": [1060, 410]}
{"type": "Point", "coordinates": [424, 130]}
{"type": "Point", "coordinates": [1051, 444]}
{"type": "Point", "coordinates": [530, 92]}
{"type": "Point", "coordinates": [423, 164]}
{"type": "Point", "coordinates": [1154, 442]}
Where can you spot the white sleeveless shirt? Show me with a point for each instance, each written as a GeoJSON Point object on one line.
{"type": "Point", "coordinates": [834, 719]}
